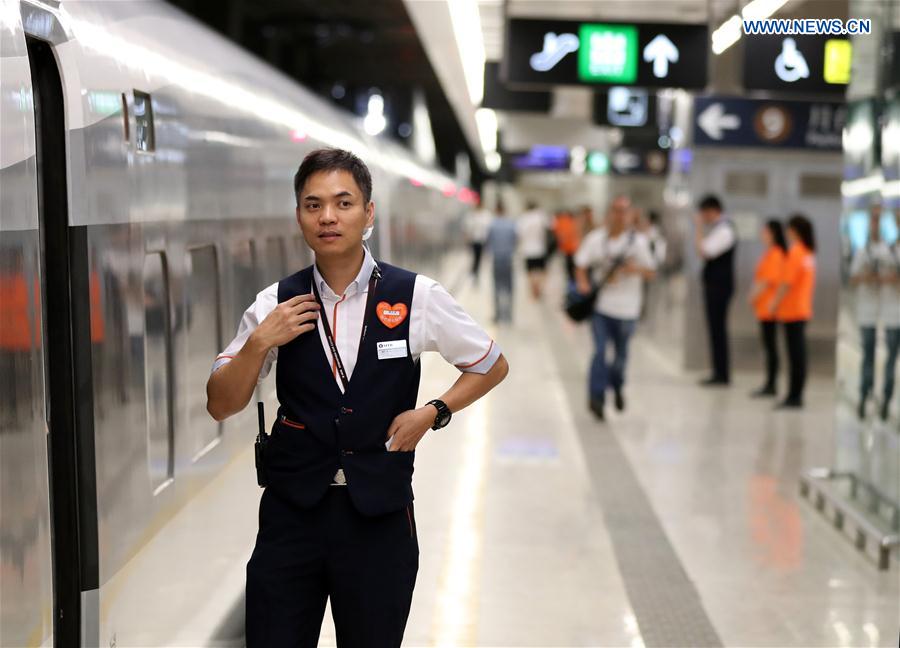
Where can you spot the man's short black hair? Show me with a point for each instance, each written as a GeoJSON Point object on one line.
{"type": "Point", "coordinates": [333, 159]}
{"type": "Point", "coordinates": [710, 202]}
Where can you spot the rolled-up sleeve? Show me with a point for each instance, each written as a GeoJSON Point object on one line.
{"type": "Point", "coordinates": [718, 241]}
{"type": "Point", "coordinates": [265, 303]}
{"type": "Point", "coordinates": [440, 324]}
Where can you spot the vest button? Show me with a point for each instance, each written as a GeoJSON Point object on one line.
{"type": "Point", "coordinates": [337, 422]}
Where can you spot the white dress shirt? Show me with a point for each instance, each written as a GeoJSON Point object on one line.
{"type": "Point", "coordinates": [532, 231]}
{"type": "Point", "coordinates": [720, 238]}
{"type": "Point", "coordinates": [437, 323]}
{"type": "Point", "coordinates": [477, 225]}
{"type": "Point", "coordinates": [890, 292]}
{"type": "Point", "coordinates": [876, 301]}
{"type": "Point", "coordinates": [620, 298]}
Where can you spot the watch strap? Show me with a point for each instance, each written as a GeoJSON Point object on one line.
{"type": "Point", "coordinates": [443, 411]}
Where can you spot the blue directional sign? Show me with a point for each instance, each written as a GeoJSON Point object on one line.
{"type": "Point", "coordinates": [733, 121]}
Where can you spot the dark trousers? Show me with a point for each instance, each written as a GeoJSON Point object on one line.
{"type": "Point", "coordinates": [892, 337]}
{"type": "Point", "coordinates": [769, 335]}
{"type": "Point", "coordinates": [503, 289]}
{"type": "Point", "coordinates": [717, 301]}
{"type": "Point", "coordinates": [477, 249]}
{"type": "Point", "coordinates": [366, 565]}
{"type": "Point", "coordinates": [795, 334]}
{"type": "Point", "coordinates": [570, 267]}
{"type": "Point", "coordinates": [867, 336]}
{"type": "Point", "coordinates": [604, 373]}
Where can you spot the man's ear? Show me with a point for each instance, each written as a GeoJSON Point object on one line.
{"type": "Point", "coordinates": [370, 214]}
{"type": "Point", "coordinates": [297, 212]}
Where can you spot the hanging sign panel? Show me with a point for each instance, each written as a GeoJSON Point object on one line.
{"type": "Point", "coordinates": [735, 121]}
{"type": "Point", "coordinates": [568, 52]}
{"type": "Point", "coordinates": [801, 64]}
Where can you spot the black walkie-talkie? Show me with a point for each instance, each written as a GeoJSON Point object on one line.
{"type": "Point", "coordinates": [262, 440]}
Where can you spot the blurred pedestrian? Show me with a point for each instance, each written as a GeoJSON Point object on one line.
{"type": "Point", "coordinates": [793, 303]}
{"type": "Point", "coordinates": [890, 309]}
{"type": "Point", "coordinates": [585, 220]}
{"type": "Point", "coordinates": [766, 280]}
{"type": "Point", "coordinates": [568, 238]}
{"type": "Point", "coordinates": [476, 230]}
{"type": "Point", "coordinates": [501, 244]}
{"type": "Point", "coordinates": [874, 273]}
{"type": "Point", "coordinates": [866, 280]}
{"type": "Point", "coordinates": [618, 259]}
{"type": "Point", "coordinates": [648, 225]}
{"type": "Point", "coordinates": [716, 240]}
{"type": "Point", "coordinates": [532, 230]}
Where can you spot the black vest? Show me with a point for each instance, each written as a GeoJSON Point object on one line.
{"type": "Point", "coordinates": [718, 272]}
{"type": "Point", "coordinates": [344, 430]}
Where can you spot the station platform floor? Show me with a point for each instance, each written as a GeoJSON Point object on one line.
{"type": "Point", "coordinates": [676, 523]}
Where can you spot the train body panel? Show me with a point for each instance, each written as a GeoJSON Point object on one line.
{"type": "Point", "coordinates": [25, 554]}
{"type": "Point", "coordinates": [181, 150]}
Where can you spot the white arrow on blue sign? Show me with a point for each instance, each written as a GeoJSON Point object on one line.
{"type": "Point", "coordinates": [714, 121]}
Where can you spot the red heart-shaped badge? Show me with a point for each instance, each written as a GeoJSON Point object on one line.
{"type": "Point", "coordinates": [391, 316]}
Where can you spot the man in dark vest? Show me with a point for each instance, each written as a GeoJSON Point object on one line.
{"type": "Point", "coordinates": [715, 240]}
{"type": "Point", "coordinates": [336, 519]}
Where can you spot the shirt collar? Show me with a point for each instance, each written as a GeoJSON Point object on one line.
{"type": "Point", "coordinates": [360, 284]}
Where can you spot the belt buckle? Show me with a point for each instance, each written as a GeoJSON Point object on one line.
{"type": "Point", "coordinates": [339, 478]}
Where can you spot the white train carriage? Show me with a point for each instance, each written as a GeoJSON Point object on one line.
{"type": "Point", "coordinates": [146, 191]}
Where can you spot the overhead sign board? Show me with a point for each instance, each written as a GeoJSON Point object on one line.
{"type": "Point", "coordinates": [568, 52]}
{"type": "Point", "coordinates": [499, 97]}
{"type": "Point", "coordinates": [636, 161]}
{"type": "Point", "coordinates": [732, 121]}
{"type": "Point", "coordinates": [625, 107]}
{"type": "Point", "coordinates": [542, 158]}
{"type": "Point", "coordinates": [801, 64]}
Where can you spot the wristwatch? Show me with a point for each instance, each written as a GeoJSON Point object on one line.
{"type": "Point", "coordinates": [443, 416]}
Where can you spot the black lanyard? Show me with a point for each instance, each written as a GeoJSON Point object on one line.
{"type": "Point", "coordinates": [373, 282]}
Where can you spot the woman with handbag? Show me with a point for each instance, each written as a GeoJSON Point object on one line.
{"type": "Point", "coordinates": [619, 258]}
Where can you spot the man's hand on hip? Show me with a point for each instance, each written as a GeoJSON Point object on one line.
{"type": "Point", "coordinates": [409, 427]}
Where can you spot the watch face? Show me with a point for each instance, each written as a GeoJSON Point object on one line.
{"type": "Point", "coordinates": [443, 420]}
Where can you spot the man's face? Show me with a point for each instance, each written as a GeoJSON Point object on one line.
{"type": "Point", "coordinates": [620, 212]}
{"type": "Point", "coordinates": [709, 215]}
{"type": "Point", "coordinates": [332, 213]}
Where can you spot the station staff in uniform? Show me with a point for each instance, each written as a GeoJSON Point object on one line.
{"type": "Point", "coordinates": [766, 279]}
{"type": "Point", "coordinates": [793, 303]}
{"type": "Point", "coordinates": [716, 241]}
{"type": "Point", "coordinates": [336, 519]}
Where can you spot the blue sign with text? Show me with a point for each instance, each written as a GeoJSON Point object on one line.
{"type": "Point", "coordinates": [732, 121]}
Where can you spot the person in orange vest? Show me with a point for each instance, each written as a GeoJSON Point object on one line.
{"type": "Point", "coordinates": [568, 238]}
{"type": "Point", "coordinates": [766, 279]}
{"type": "Point", "coordinates": [793, 303]}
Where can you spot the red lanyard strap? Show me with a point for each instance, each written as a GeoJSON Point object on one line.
{"type": "Point", "coordinates": [342, 373]}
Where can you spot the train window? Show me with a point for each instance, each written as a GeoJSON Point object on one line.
{"type": "Point", "coordinates": [202, 323]}
{"type": "Point", "coordinates": [274, 263]}
{"type": "Point", "coordinates": [144, 134]}
{"type": "Point", "coordinates": [820, 185]}
{"type": "Point", "coordinates": [747, 183]}
{"type": "Point", "coordinates": [157, 371]}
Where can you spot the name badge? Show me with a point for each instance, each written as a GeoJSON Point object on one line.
{"type": "Point", "coordinates": [395, 349]}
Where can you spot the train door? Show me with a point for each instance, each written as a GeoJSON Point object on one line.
{"type": "Point", "coordinates": [65, 298]}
